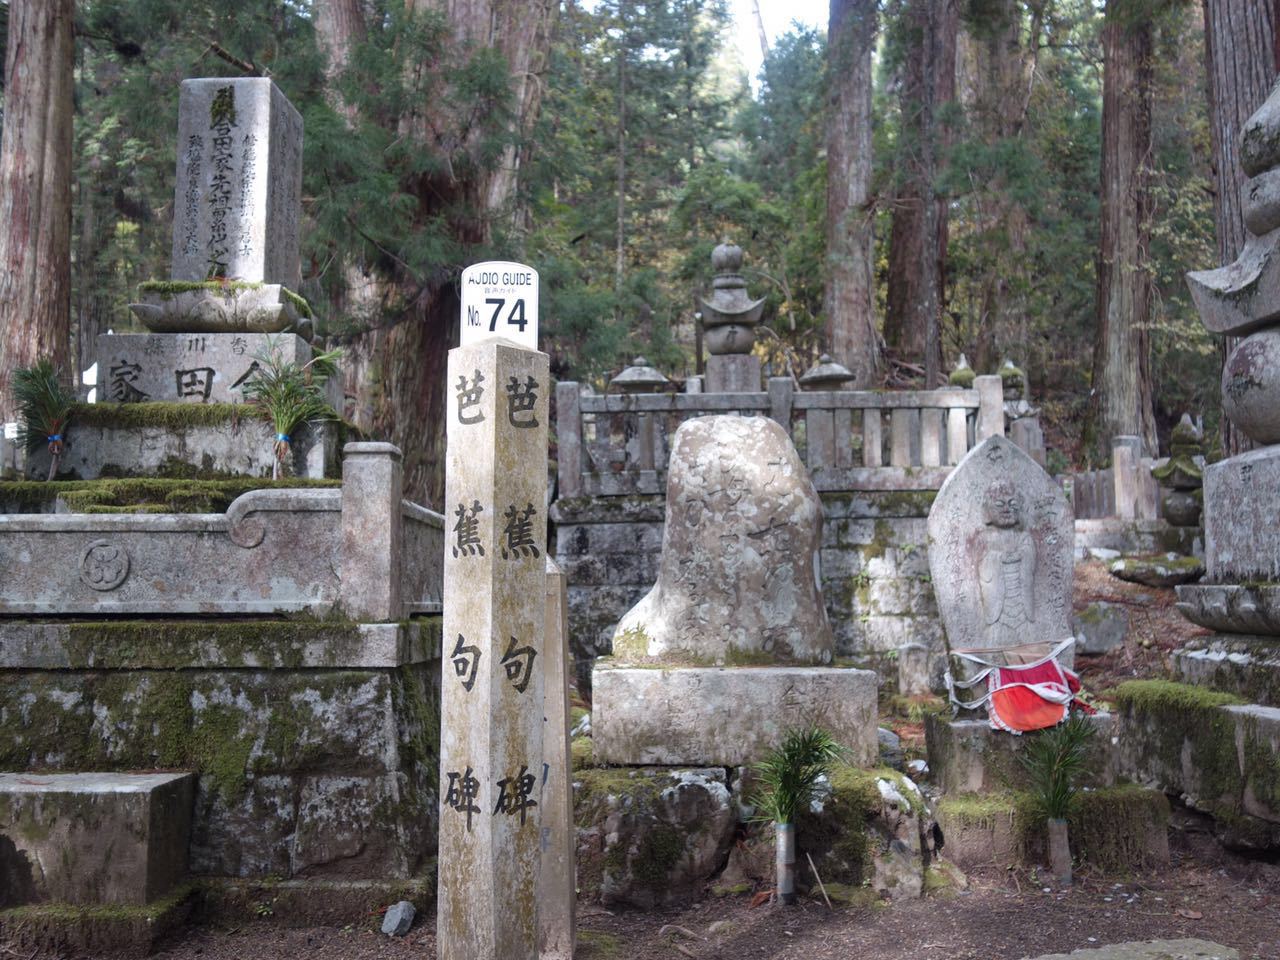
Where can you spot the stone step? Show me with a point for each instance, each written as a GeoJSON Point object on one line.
{"type": "Point", "coordinates": [1248, 667]}
{"type": "Point", "coordinates": [1151, 950]}
{"type": "Point", "coordinates": [93, 838]}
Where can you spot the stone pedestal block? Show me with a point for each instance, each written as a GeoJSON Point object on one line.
{"type": "Point", "coordinates": [726, 716]}
{"type": "Point", "coordinates": [1240, 495]}
{"type": "Point", "coordinates": [1152, 950]}
{"type": "Point", "coordinates": [967, 756]}
{"type": "Point", "coordinates": [191, 367]}
{"type": "Point", "coordinates": [733, 373]}
{"type": "Point", "coordinates": [491, 734]}
{"type": "Point", "coordinates": [239, 182]}
{"type": "Point", "coordinates": [93, 838]}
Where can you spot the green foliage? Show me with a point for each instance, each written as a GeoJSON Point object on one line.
{"type": "Point", "coordinates": [1054, 760]}
{"type": "Point", "coordinates": [44, 405]}
{"type": "Point", "coordinates": [291, 393]}
{"type": "Point", "coordinates": [789, 775]}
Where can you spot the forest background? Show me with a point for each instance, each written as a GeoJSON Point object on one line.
{"type": "Point", "coordinates": [1021, 179]}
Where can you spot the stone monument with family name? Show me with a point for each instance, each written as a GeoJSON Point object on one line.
{"type": "Point", "coordinates": [231, 295]}
{"type": "Point", "coordinates": [491, 730]}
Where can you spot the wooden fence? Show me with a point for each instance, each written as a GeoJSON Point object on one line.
{"type": "Point", "coordinates": [613, 445]}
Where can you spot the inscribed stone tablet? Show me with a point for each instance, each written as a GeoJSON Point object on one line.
{"type": "Point", "coordinates": [239, 187]}
{"type": "Point", "coordinates": [1001, 535]}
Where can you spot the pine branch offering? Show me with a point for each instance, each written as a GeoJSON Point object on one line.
{"type": "Point", "coordinates": [292, 394]}
{"type": "Point", "coordinates": [44, 407]}
{"type": "Point", "coordinates": [789, 775]}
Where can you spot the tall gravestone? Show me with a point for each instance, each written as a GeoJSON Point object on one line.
{"type": "Point", "coordinates": [491, 738]}
{"type": "Point", "coordinates": [230, 296]}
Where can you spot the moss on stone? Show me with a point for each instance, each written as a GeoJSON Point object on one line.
{"type": "Point", "coordinates": [582, 753]}
{"type": "Point", "coordinates": [171, 288]}
{"type": "Point", "coordinates": [143, 494]}
{"type": "Point", "coordinates": [598, 945]}
{"type": "Point", "coordinates": [162, 416]}
{"type": "Point", "coordinates": [848, 894]}
{"type": "Point", "coordinates": [631, 644]}
{"type": "Point", "coordinates": [1165, 696]}
{"type": "Point", "coordinates": [1109, 828]}
{"type": "Point", "coordinates": [962, 377]}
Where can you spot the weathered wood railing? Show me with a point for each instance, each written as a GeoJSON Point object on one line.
{"type": "Point", "coordinates": [618, 444]}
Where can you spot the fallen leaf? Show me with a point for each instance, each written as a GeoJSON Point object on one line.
{"type": "Point", "coordinates": [1190, 914]}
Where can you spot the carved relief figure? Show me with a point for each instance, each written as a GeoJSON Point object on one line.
{"type": "Point", "coordinates": [1006, 567]}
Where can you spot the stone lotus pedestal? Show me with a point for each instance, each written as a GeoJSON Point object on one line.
{"type": "Point", "coordinates": [730, 649]}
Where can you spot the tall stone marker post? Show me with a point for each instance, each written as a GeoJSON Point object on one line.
{"type": "Point", "coordinates": [491, 738]}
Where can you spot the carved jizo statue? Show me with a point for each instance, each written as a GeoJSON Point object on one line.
{"type": "Point", "coordinates": [1001, 520]}
{"type": "Point", "coordinates": [1006, 567]}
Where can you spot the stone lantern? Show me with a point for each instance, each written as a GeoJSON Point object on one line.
{"type": "Point", "coordinates": [826, 374]}
{"type": "Point", "coordinates": [1181, 477]}
{"type": "Point", "coordinates": [729, 320]}
{"type": "Point", "coordinates": [640, 377]}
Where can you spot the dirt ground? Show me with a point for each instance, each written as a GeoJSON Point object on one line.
{"type": "Point", "coordinates": [1010, 915]}
{"type": "Point", "coordinates": [1001, 916]}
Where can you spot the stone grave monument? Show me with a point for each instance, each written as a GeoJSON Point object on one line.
{"type": "Point", "coordinates": [1216, 741]}
{"type": "Point", "coordinates": [276, 651]}
{"type": "Point", "coordinates": [230, 300]}
{"type": "Point", "coordinates": [1000, 550]}
{"type": "Point", "coordinates": [729, 321]}
{"type": "Point", "coordinates": [232, 291]}
{"type": "Point", "coordinates": [735, 624]}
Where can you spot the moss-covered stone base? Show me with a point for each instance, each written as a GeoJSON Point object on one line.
{"type": "Point", "coordinates": [1219, 753]}
{"type": "Point", "coordinates": [302, 770]}
{"type": "Point", "coordinates": [305, 903]}
{"type": "Point", "coordinates": [138, 494]}
{"type": "Point", "coordinates": [55, 929]}
{"type": "Point", "coordinates": [1116, 829]}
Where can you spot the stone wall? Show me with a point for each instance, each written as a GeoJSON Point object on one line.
{"type": "Point", "coordinates": [873, 562]}
{"type": "Point", "coordinates": [314, 744]}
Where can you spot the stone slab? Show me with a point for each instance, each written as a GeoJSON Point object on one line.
{"type": "Point", "coordinates": [1248, 667]}
{"type": "Point", "coordinates": [967, 756]}
{"type": "Point", "coordinates": [93, 838]}
{"type": "Point", "coordinates": [238, 196]}
{"type": "Point", "coordinates": [190, 367]}
{"type": "Point", "coordinates": [274, 550]}
{"type": "Point", "coordinates": [1240, 494]}
{"type": "Point", "coordinates": [202, 644]}
{"type": "Point", "coordinates": [1151, 950]}
{"type": "Point", "coordinates": [1136, 536]}
{"type": "Point", "coordinates": [244, 447]}
{"type": "Point", "coordinates": [731, 716]}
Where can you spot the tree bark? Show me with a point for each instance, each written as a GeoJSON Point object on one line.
{"type": "Point", "coordinates": [918, 234]}
{"type": "Point", "coordinates": [396, 371]}
{"type": "Point", "coordinates": [1240, 65]}
{"type": "Point", "coordinates": [849, 300]}
{"type": "Point", "coordinates": [1122, 401]}
{"type": "Point", "coordinates": [35, 190]}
